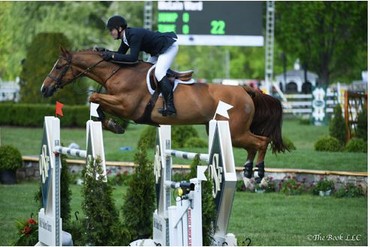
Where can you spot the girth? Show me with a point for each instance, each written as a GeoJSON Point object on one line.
{"type": "Point", "coordinates": [172, 76]}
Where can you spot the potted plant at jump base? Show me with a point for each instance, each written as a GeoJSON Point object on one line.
{"type": "Point", "coordinates": [324, 187]}
{"type": "Point", "coordinates": [10, 161]}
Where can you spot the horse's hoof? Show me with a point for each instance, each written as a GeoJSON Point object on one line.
{"type": "Point", "coordinates": [112, 126]}
{"type": "Point", "coordinates": [258, 180]}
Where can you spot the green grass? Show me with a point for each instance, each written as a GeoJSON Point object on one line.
{"type": "Point", "coordinates": [28, 140]}
{"type": "Point", "coordinates": [267, 219]}
{"type": "Point", "coordinates": [277, 219]}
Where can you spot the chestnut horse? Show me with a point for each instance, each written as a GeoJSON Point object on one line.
{"type": "Point", "coordinates": [255, 119]}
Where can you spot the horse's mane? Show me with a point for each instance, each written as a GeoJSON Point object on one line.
{"type": "Point", "coordinates": [97, 50]}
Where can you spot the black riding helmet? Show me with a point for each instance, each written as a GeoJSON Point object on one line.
{"type": "Point", "coordinates": [116, 22]}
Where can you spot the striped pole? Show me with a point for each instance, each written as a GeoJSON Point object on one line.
{"type": "Point", "coordinates": [186, 155]}
{"type": "Point", "coordinates": [70, 151]}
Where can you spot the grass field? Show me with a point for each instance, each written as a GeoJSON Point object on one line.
{"type": "Point", "coordinates": [28, 140]}
{"type": "Point", "coordinates": [267, 219]}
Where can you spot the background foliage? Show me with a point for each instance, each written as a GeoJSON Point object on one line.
{"type": "Point", "coordinates": [329, 37]}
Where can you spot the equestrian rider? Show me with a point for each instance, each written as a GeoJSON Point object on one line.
{"type": "Point", "coordinates": [162, 47]}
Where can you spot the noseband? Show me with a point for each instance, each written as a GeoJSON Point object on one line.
{"type": "Point", "coordinates": [59, 80]}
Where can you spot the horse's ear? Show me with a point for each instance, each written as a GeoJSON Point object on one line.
{"type": "Point", "coordinates": [65, 52]}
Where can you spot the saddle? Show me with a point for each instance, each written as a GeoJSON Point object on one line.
{"type": "Point", "coordinates": [172, 75]}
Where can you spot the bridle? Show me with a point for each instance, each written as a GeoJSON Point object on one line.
{"type": "Point", "coordinates": [59, 80]}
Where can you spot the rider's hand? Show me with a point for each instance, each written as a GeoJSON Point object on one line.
{"type": "Point", "coordinates": [108, 55]}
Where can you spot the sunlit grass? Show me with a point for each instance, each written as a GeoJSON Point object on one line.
{"type": "Point", "coordinates": [267, 219]}
{"type": "Point", "coordinates": [28, 140]}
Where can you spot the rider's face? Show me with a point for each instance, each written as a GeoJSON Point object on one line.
{"type": "Point", "coordinates": [114, 32]}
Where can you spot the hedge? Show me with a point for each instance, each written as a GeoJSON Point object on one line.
{"type": "Point", "coordinates": [32, 115]}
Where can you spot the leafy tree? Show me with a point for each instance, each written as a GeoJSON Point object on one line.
{"type": "Point", "coordinates": [337, 126]}
{"type": "Point", "coordinates": [41, 55]}
{"type": "Point", "coordinates": [80, 22]}
{"type": "Point", "coordinates": [361, 131]}
{"type": "Point", "coordinates": [330, 38]}
{"type": "Point", "coordinates": [101, 221]}
{"type": "Point", "coordinates": [138, 207]}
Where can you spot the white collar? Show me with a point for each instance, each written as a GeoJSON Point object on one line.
{"type": "Point", "coordinates": [124, 39]}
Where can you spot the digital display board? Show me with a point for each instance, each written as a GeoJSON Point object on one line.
{"type": "Point", "coordinates": [228, 23]}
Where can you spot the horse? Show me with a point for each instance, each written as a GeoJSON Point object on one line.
{"type": "Point", "coordinates": [255, 120]}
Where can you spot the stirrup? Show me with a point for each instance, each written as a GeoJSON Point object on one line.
{"type": "Point", "coordinates": [111, 125]}
{"type": "Point", "coordinates": [166, 113]}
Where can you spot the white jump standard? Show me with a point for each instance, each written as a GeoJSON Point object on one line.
{"type": "Point", "coordinates": [50, 221]}
{"type": "Point", "coordinates": [181, 225]}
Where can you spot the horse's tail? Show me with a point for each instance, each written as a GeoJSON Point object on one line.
{"type": "Point", "coordinates": [267, 120]}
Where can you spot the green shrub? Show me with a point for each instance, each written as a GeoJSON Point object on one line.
{"type": "Point", "coordinates": [41, 55]}
{"type": "Point", "coordinates": [180, 136]}
{"type": "Point", "coordinates": [323, 185]}
{"type": "Point", "coordinates": [148, 136]}
{"type": "Point", "coordinates": [337, 126]}
{"type": "Point", "coordinates": [328, 143]}
{"type": "Point", "coordinates": [139, 200]}
{"type": "Point", "coordinates": [195, 142]}
{"type": "Point", "coordinates": [181, 133]}
{"type": "Point", "coordinates": [350, 190]}
{"type": "Point", "coordinates": [10, 158]}
{"type": "Point", "coordinates": [32, 115]}
{"type": "Point", "coordinates": [305, 121]}
{"type": "Point", "coordinates": [356, 145]}
{"type": "Point", "coordinates": [290, 186]}
{"type": "Point", "coordinates": [288, 143]}
{"type": "Point", "coordinates": [361, 131]}
{"type": "Point", "coordinates": [101, 221]}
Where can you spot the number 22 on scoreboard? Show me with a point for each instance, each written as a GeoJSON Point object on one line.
{"type": "Point", "coordinates": [218, 27]}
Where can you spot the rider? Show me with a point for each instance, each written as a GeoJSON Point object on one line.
{"type": "Point", "coordinates": [162, 47]}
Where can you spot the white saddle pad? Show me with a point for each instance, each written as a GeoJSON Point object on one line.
{"type": "Point", "coordinates": [177, 82]}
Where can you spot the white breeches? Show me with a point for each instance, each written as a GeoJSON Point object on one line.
{"type": "Point", "coordinates": [163, 62]}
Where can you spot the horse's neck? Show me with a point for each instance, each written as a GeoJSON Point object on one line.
{"type": "Point", "coordinates": [92, 66]}
{"type": "Point", "coordinates": [104, 72]}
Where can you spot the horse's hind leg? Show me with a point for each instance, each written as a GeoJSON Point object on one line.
{"type": "Point", "coordinates": [254, 144]}
{"type": "Point", "coordinates": [248, 166]}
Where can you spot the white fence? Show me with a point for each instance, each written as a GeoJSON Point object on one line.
{"type": "Point", "coordinates": [301, 104]}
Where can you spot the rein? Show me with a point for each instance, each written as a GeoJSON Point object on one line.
{"type": "Point", "coordinates": [59, 79]}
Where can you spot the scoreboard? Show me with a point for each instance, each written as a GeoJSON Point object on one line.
{"type": "Point", "coordinates": [224, 23]}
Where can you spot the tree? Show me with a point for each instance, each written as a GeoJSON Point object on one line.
{"type": "Point", "coordinates": [41, 55]}
{"type": "Point", "coordinates": [330, 38]}
{"type": "Point", "coordinates": [81, 22]}
{"type": "Point", "coordinates": [138, 207]}
{"type": "Point", "coordinates": [337, 125]}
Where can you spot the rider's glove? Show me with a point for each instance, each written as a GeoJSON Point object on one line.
{"type": "Point", "coordinates": [108, 55]}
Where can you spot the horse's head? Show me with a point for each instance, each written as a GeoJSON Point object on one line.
{"type": "Point", "coordinates": [60, 75]}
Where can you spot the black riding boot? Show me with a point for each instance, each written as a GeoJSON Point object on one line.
{"type": "Point", "coordinates": [167, 93]}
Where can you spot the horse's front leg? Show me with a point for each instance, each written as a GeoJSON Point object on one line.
{"type": "Point", "coordinates": [110, 104]}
